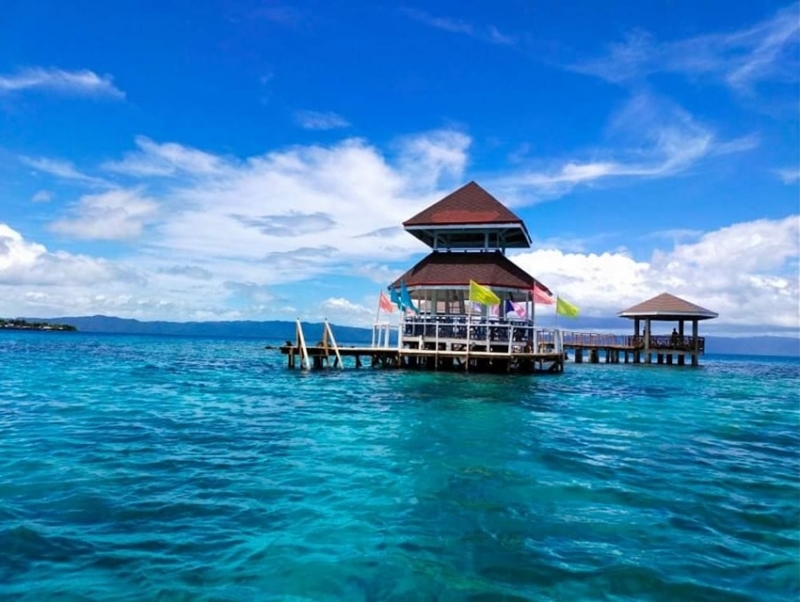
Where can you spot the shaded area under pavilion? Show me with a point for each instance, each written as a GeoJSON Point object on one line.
{"type": "Point", "coordinates": [667, 308]}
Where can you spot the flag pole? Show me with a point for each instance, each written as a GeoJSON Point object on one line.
{"type": "Point", "coordinates": [377, 317]}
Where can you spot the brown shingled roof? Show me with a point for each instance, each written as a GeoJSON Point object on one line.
{"type": "Point", "coordinates": [458, 268]}
{"type": "Point", "coordinates": [667, 307]}
{"type": "Point", "coordinates": [470, 204]}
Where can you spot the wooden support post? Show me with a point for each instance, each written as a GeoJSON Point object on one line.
{"type": "Point", "coordinates": [681, 359]}
{"type": "Point", "coordinates": [669, 359]}
{"type": "Point", "coordinates": [648, 358]}
{"type": "Point", "coordinates": [594, 356]}
{"type": "Point", "coordinates": [578, 355]}
{"type": "Point", "coordinates": [660, 358]}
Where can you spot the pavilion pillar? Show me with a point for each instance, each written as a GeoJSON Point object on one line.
{"type": "Point", "coordinates": [681, 356]}
{"type": "Point", "coordinates": [695, 344]}
{"type": "Point", "coordinates": [647, 358]}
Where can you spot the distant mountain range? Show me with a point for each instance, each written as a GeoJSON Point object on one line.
{"type": "Point", "coordinates": [277, 330]}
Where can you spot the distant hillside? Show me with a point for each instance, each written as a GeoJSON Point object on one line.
{"type": "Point", "coordinates": [285, 330]}
{"type": "Point", "coordinates": [754, 346]}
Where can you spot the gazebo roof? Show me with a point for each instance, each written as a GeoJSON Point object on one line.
{"type": "Point", "coordinates": [468, 212]}
{"type": "Point", "coordinates": [668, 307]}
{"type": "Point", "coordinates": [456, 269]}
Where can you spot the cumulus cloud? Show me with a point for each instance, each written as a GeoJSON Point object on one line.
{"type": "Point", "coordinates": [25, 263]}
{"type": "Point", "coordinates": [217, 237]}
{"type": "Point", "coordinates": [114, 215]}
{"type": "Point", "coordinates": [347, 311]}
{"type": "Point", "coordinates": [740, 59]}
{"type": "Point", "coordinates": [82, 82]}
{"type": "Point", "coordinates": [320, 120]}
{"type": "Point", "coordinates": [747, 272]}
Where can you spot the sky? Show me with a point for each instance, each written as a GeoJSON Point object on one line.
{"type": "Point", "coordinates": [242, 159]}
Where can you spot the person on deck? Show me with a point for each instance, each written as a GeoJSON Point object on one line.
{"type": "Point", "coordinates": [675, 338]}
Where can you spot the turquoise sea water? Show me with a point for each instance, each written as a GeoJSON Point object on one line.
{"type": "Point", "coordinates": [146, 468]}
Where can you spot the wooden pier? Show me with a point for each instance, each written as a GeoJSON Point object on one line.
{"type": "Point", "coordinates": [615, 349]}
{"type": "Point", "coordinates": [321, 356]}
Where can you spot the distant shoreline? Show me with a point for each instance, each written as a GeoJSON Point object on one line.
{"type": "Point", "coordinates": [40, 326]}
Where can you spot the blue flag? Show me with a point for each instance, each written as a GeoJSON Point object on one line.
{"type": "Point", "coordinates": [406, 298]}
{"type": "Point", "coordinates": [395, 298]}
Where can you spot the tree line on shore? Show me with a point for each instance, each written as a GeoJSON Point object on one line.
{"type": "Point", "coordinates": [21, 324]}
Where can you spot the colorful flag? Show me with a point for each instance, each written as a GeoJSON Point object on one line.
{"type": "Point", "coordinates": [520, 310]}
{"type": "Point", "coordinates": [482, 294]}
{"type": "Point", "coordinates": [395, 297]}
{"type": "Point", "coordinates": [385, 304]}
{"type": "Point", "coordinates": [408, 304]}
{"type": "Point", "coordinates": [565, 308]}
{"type": "Point", "coordinates": [541, 296]}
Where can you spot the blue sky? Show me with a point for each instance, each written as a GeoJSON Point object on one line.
{"type": "Point", "coordinates": [253, 160]}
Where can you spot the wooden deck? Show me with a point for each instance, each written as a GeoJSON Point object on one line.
{"type": "Point", "coordinates": [463, 360]}
{"type": "Point", "coordinates": [621, 348]}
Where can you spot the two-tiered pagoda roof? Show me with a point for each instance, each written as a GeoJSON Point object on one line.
{"type": "Point", "coordinates": [469, 218]}
{"type": "Point", "coordinates": [469, 231]}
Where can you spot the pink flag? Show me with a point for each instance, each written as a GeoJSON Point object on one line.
{"type": "Point", "coordinates": [385, 304]}
{"type": "Point", "coordinates": [540, 295]}
{"type": "Point", "coordinates": [519, 308]}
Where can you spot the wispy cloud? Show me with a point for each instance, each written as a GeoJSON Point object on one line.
{"type": "Point", "coordinates": [740, 59]}
{"type": "Point", "coordinates": [653, 138]}
{"type": "Point", "coordinates": [790, 175]}
{"type": "Point", "coordinates": [83, 82]}
{"type": "Point", "coordinates": [488, 33]}
{"type": "Point", "coordinates": [320, 120]}
{"type": "Point", "coordinates": [42, 196]}
{"type": "Point", "coordinates": [60, 169]}
{"type": "Point", "coordinates": [168, 159]}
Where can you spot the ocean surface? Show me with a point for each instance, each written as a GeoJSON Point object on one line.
{"type": "Point", "coordinates": [147, 468]}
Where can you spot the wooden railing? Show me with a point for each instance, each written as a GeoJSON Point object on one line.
{"type": "Point", "coordinates": [657, 342]}
{"type": "Point", "coordinates": [517, 335]}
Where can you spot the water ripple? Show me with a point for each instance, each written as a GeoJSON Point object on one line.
{"type": "Point", "coordinates": [179, 469]}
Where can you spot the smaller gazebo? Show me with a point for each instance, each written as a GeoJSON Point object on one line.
{"type": "Point", "coordinates": [667, 308]}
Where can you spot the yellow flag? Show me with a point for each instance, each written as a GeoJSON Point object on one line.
{"type": "Point", "coordinates": [482, 294]}
{"type": "Point", "coordinates": [565, 308]}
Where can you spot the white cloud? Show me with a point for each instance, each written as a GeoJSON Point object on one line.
{"type": "Point", "coordinates": [656, 139]}
{"type": "Point", "coordinates": [347, 312]}
{"type": "Point", "coordinates": [306, 211]}
{"type": "Point", "coordinates": [222, 236]}
{"type": "Point", "coordinates": [42, 196]}
{"type": "Point", "coordinates": [747, 272]}
{"type": "Point", "coordinates": [168, 159]}
{"type": "Point", "coordinates": [60, 169]}
{"type": "Point", "coordinates": [490, 33]}
{"type": "Point", "coordinates": [24, 263]}
{"type": "Point", "coordinates": [740, 59]}
{"type": "Point", "coordinates": [319, 120]}
{"type": "Point", "coordinates": [790, 175]}
{"type": "Point", "coordinates": [114, 215]}
{"type": "Point", "coordinates": [83, 82]}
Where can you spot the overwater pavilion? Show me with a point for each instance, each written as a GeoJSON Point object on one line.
{"type": "Point", "coordinates": [667, 308]}
{"type": "Point", "coordinates": [469, 232]}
